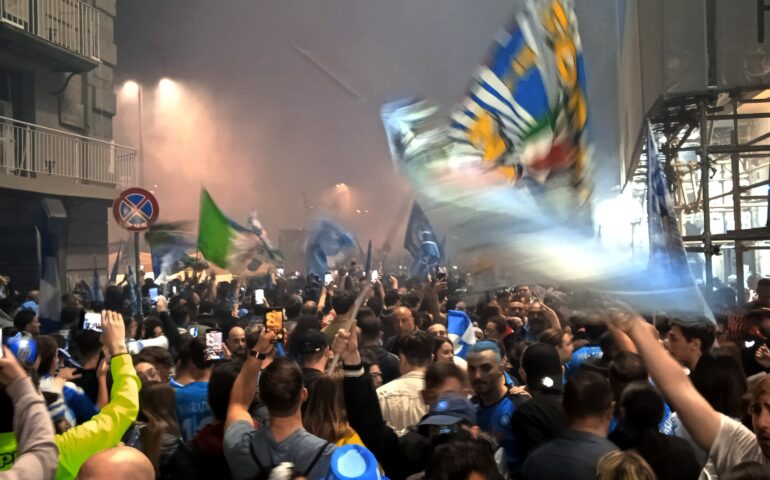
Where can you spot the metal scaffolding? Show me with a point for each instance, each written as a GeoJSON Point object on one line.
{"type": "Point", "coordinates": [717, 150]}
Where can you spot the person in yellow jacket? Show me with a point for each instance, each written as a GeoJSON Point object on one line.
{"type": "Point", "coordinates": [106, 428]}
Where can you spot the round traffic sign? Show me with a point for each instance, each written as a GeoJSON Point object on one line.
{"type": "Point", "coordinates": [135, 209]}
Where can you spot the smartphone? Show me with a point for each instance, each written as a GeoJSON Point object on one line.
{"type": "Point", "coordinates": [214, 351]}
{"type": "Point", "coordinates": [280, 272]}
{"type": "Point", "coordinates": [153, 295]}
{"type": "Point", "coordinates": [173, 289]}
{"type": "Point", "coordinates": [375, 276]}
{"type": "Point", "coordinates": [328, 279]}
{"type": "Point", "coordinates": [93, 321]}
{"type": "Point", "coordinates": [274, 318]}
{"type": "Point", "coordinates": [194, 331]}
{"type": "Point", "coordinates": [259, 296]}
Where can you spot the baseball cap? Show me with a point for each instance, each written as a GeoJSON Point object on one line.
{"type": "Point", "coordinates": [31, 306]}
{"type": "Point", "coordinates": [542, 366]}
{"type": "Point", "coordinates": [451, 409]}
{"type": "Point", "coordinates": [311, 341]}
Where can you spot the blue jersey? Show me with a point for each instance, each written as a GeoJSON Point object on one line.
{"type": "Point", "coordinates": [192, 408]}
{"type": "Point", "coordinates": [496, 421]}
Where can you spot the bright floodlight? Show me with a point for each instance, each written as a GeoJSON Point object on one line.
{"type": "Point", "coordinates": [131, 88]}
{"type": "Point", "coordinates": [167, 87]}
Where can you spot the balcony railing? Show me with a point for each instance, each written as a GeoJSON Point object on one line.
{"type": "Point", "coordinates": [70, 24]}
{"type": "Point", "coordinates": [30, 150]}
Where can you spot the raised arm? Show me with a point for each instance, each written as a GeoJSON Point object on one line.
{"type": "Point", "coordinates": [38, 455]}
{"type": "Point", "coordinates": [106, 428]}
{"type": "Point", "coordinates": [245, 386]}
{"type": "Point", "coordinates": [698, 417]}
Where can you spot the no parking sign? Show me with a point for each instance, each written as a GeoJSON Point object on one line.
{"type": "Point", "coordinates": [135, 209]}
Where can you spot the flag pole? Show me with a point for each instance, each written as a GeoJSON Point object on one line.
{"type": "Point", "coordinates": [351, 323]}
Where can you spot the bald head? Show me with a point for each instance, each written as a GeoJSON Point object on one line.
{"type": "Point", "coordinates": [125, 463]}
{"type": "Point", "coordinates": [404, 320]}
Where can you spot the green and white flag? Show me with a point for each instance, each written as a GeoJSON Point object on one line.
{"type": "Point", "coordinates": [229, 245]}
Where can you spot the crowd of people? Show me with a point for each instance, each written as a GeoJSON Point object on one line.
{"type": "Point", "coordinates": [558, 384]}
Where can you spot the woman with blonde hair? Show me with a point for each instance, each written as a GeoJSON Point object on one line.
{"type": "Point", "coordinates": [619, 465]}
{"type": "Point", "coordinates": [325, 415]}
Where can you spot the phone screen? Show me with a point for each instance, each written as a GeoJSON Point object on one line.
{"type": "Point", "coordinates": [375, 276]}
{"type": "Point", "coordinates": [214, 350]}
{"type": "Point", "coordinates": [153, 295]}
{"type": "Point", "coordinates": [194, 331]}
{"type": "Point", "coordinates": [93, 321]}
{"type": "Point", "coordinates": [327, 279]}
{"type": "Point", "coordinates": [280, 272]}
{"type": "Point", "coordinates": [274, 322]}
{"type": "Point", "coordinates": [259, 296]}
{"type": "Point", "coordinates": [173, 289]}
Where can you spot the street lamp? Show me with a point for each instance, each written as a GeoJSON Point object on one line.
{"type": "Point", "coordinates": [132, 88]}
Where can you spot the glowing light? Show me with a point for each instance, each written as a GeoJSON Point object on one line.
{"type": "Point", "coordinates": [168, 90]}
{"type": "Point", "coordinates": [131, 88]}
{"type": "Point", "coordinates": [341, 185]}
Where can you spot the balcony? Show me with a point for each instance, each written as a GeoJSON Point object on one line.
{"type": "Point", "coordinates": [64, 32]}
{"type": "Point", "coordinates": [32, 157]}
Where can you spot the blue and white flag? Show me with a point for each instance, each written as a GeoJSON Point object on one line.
{"type": "Point", "coordinates": [421, 242]}
{"type": "Point", "coordinates": [97, 295]}
{"type": "Point", "coordinates": [114, 272]}
{"type": "Point", "coordinates": [134, 293]}
{"type": "Point", "coordinates": [49, 299]}
{"type": "Point", "coordinates": [460, 332]}
{"type": "Point", "coordinates": [668, 269]}
{"type": "Point", "coordinates": [327, 239]}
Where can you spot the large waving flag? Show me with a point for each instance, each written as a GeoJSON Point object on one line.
{"type": "Point", "coordinates": [525, 115]}
{"type": "Point", "coordinates": [460, 332]}
{"type": "Point", "coordinates": [170, 247]}
{"type": "Point", "coordinates": [421, 242]}
{"type": "Point", "coordinates": [327, 239]}
{"type": "Point", "coordinates": [230, 245]}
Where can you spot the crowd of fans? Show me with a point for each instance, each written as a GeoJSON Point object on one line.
{"type": "Point", "coordinates": [559, 384]}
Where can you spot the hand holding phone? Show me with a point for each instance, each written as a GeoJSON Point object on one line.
{"type": "Point", "coordinates": [375, 276]}
{"type": "Point", "coordinates": [274, 319]}
{"type": "Point", "coordinates": [214, 348]}
{"type": "Point", "coordinates": [259, 296]}
{"type": "Point", "coordinates": [93, 322]}
{"type": "Point", "coordinates": [328, 278]}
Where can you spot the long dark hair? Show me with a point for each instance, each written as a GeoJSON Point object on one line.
{"type": "Point", "coordinates": [47, 350]}
{"type": "Point", "coordinates": [157, 408]}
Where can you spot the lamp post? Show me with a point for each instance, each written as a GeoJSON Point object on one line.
{"type": "Point", "coordinates": [133, 88]}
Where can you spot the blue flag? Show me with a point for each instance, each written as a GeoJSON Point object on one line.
{"type": "Point", "coordinates": [327, 239]}
{"type": "Point", "coordinates": [49, 299]}
{"type": "Point", "coordinates": [133, 292]}
{"type": "Point", "coordinates": [368, 262]}
{"type": "Point", "coordinates": [97, 295]}
{"type": "Point", "coordinates": [460, 332]}
{"type": "Point", "coordinates": [169, 247]}
{"type": "Point", "coordinates": [421, 243]}
{"type": "Point", "coordinates": [115, 266]}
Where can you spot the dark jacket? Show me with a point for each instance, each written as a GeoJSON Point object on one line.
{"type": "Point", "coordinates": [670, 457]}
{"type": "Point", "coordinates": [400, 457]}
{"type": "Point", "coordinates": [203, 457]}
{"type": "Point", "coordinates": [536, 422]}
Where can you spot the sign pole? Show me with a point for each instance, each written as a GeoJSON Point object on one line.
{"type": "Point", "coordinates": [136, 210]}
{"type": "Point", "coordinates": [137, 263]}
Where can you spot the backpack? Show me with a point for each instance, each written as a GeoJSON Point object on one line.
{"type": "Point", "coordinates": [264, 471]}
